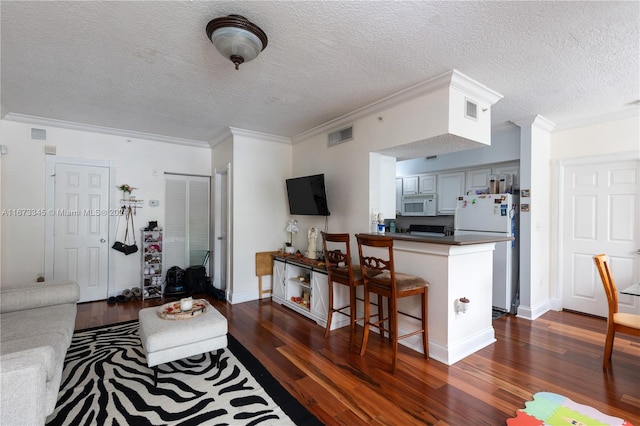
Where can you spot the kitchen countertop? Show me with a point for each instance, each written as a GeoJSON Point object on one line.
{"type": "Point", "coordinates": [452, 240]}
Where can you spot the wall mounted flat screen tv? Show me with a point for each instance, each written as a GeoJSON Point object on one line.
{"type": "Point", "coordinates": [307, 196]}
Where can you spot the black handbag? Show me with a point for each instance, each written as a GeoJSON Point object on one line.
{"type": "Point", "coordinates": [124, 247]}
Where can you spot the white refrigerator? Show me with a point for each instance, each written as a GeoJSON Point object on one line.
{"type": "Point", "coordinates": [494, 214]}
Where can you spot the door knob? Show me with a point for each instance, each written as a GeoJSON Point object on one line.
{"type": "Point", "coordinates": [102, 240]}
{"type": "Point", "coordinates": [221, 238]}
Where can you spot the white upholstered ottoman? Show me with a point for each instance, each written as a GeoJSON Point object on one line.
{"type": "Point", "coordinates": [166, 340]}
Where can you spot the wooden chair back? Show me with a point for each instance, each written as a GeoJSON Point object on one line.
{"type": "Point", "coordinates": [377, 270]}
{"type": "Point", "coordinates": [337, 252]}
{"type": "Point", "coordinates": [602, 263]}
{"type": "Point", "coordinates": [617, 322]}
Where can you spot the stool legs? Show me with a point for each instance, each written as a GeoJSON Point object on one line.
{"type": "Point", "coordinates": [367, 319]}
{"type": "Point", "coordinates": [425, 326]}
{"type": "Point", "coordinates": [352, 315]}
{"type": "Point", "coordinates": [393, 325]}
{"type": "Point", "coordinates": [378, 324]}
{"type": "Point", "coordinates": [352, 312]}
{"type": "Point", "coordinates": [393, 331]}
{"type": "Point", "coordinates": [330, 313]}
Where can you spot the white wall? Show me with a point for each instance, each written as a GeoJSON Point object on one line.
{"type": "Point", "coordinates": [534, 226]}
{"type": "Point", "coordinates": [139, 162]}
{"type": "Point", "coordinates": [260, 165]}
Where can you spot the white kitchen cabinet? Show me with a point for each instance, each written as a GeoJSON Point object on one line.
{"type": "Point", "coordinates": [477, 180]}
{"type": "Point", "coordinates": [278, 284]}
{"type": "Point", "coordinates": [410, 185]}
{"type": "Point", "coordinates": [320, 295]}
{"type": "Point", "coordinates": [398, 196]}
{"type": "Point", "coordinates": [427, 184]}
{"type": "Point", "coordinates": [450, 187]}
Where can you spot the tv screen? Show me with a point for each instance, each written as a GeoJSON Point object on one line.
{"type": "Point", "coordinates": [307, 196]}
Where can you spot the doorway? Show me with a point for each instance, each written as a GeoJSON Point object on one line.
{"type": "Point", "coordinates": [77, 224]}
{"type": "Point", "coordinates": [222, 213]}
{"type": "Point", "coordinates": [187, 219]}
{"type": "Point", "coordinates": [599, 213]}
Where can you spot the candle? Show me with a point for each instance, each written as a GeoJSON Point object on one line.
{"type": "Point", "coordinates": [186, 304]}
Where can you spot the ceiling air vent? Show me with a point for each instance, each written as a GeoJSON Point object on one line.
{"type": "Point", "coordinates": [340, 136]}
{"type": "Point", "coordinates": [471, 109]}
{"type": "Point", "coordinates": [38, 134]}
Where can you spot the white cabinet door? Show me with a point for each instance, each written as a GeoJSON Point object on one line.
{"type": "Point", "coordinates": [319, 295]}
{"type": "Point", "coordinates": [450, 186]}
{"type": "Point", "coordinates": [427, 184]}
{"type": "Point", "coordinates": [477, 180]}
{"type": "Point", "coordinates": [398, 196]}
{"type": "Point", "coordinates": [410, 185]}
{"type": "Point", "coordinates": [279, 280]}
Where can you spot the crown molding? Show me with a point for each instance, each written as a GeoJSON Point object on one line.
{"type": "Point", "coordinates": [259, 135]}
{"type": "Point", "coordinates": [424, 88]}
{"type": "Point", "coordinates": [473, 88]}
{"type": "Point", "coordinates": [599, 119]}
{"type": "Point", "coordinates": [232, 132]}
{"type": "Point", "coordinates": [70, 125]}
{"type": "Point", "coordinates": [453, 78]}
{"type": "Point", "coordinates": [220, 137]}
{"type": "Point", "coordinates": [537, 121]}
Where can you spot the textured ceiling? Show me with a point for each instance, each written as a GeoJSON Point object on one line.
{"type": "Point", "coordinates": [148, 66]}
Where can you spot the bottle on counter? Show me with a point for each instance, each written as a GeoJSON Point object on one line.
{"type": "Point", "coordinates": [380, 224]}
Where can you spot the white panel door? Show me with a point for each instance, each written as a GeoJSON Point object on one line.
{"type": "Point", "coordinates": [81, 228]}
{"type": "Point", "coordinates": [600, 215]}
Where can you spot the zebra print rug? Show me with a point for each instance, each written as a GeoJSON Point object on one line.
{"type": "Point", "coordinates": [106, 381]}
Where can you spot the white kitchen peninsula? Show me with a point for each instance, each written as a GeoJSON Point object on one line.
{"type": "Point", "coordinates": [456, 267]}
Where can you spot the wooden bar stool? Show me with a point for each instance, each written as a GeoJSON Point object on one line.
{"type": "Point", "coordinates": [337, 257]}
{"type": "Point", "coordinates": [380, 277]}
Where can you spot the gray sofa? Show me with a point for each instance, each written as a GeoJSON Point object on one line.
{"type": "Point", "coordinates": [36, 325]}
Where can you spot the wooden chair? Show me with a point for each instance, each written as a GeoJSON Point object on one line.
{"type": "Point", "coordinates": [264, 266]}
{"type": "Point", "coordinates": [337, 257]}
{"type": "Point", "coordinates": [617, 321]}
{"type": "Point", "coordinates": [380, 277]}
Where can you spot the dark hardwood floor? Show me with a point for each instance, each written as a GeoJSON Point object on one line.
{"type": "Point", "coordinates": [559, 352]}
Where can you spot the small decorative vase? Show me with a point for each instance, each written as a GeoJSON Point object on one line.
{"type": "Point", "coordinates": [126, 195]}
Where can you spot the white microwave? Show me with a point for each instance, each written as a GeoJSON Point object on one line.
{"type": "Point", "coordinates": [419, 205]}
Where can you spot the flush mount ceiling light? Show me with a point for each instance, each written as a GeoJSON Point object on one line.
{"type": "Point", "coordinates": [236, 38]}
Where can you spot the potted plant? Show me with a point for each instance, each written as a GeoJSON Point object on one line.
{"type": "Point", "coordinates": [292, 228]}
{"type": "Point", "coordinates": [126, 190]}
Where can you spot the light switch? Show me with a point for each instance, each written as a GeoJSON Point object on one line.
{"type": "Point", "coordinates": [154, 203]}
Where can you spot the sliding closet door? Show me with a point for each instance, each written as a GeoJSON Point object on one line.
{"type": "Point", "coordinates": [186, 230]}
